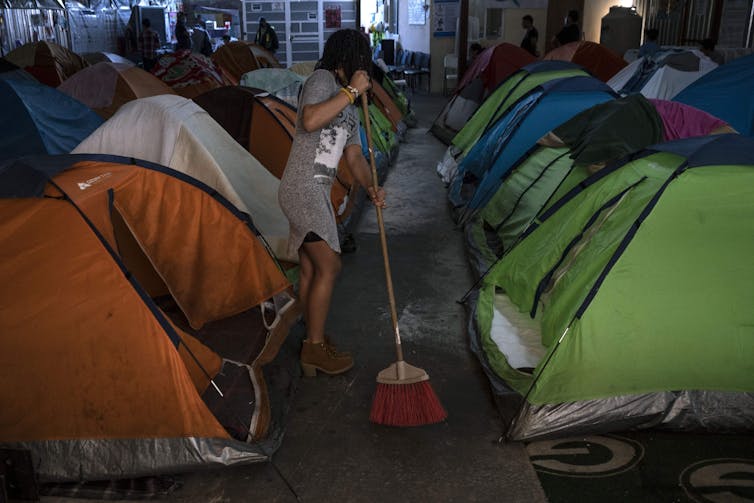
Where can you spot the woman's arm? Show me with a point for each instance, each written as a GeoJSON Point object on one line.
{"type": "Point", "coordinates": [317, 115]}
{"type": "Point", "coordinates": [361, 171]}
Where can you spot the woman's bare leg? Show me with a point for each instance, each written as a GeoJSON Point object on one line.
{"type": "Point", "coordinates": [305, 274]}
{"type": "Point", "coordinates": [325, 269]}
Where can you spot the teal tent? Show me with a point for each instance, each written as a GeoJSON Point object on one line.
{"type": "Point", "coordinates": [628, 303]}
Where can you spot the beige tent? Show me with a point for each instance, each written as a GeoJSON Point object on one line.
{"type": "Point", "coordinates": [176, 132]}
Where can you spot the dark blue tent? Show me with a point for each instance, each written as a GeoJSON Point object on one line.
{"type": "Point", "coordinates": [44, 120]}
{"type": "Point", "coordinates": [726, 92]}
{"type": "Point", "coordinates": [536, 113]}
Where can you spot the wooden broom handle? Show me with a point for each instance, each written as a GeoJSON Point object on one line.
{"type": "Point", "coordinates": [381, 225]}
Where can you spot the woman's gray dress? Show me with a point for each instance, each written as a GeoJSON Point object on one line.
{"type": "Point", "coordinates": [304, 193]}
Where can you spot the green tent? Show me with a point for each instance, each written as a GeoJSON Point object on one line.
{"type": "Point", "coordinates": [498, 103]}
{"type": "Point", "coordinates": [383, 136]}
{"type": "Point", "coordinates": [628, 302]}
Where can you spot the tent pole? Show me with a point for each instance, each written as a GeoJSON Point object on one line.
{"type": "Point", "coordinates": [463, 37]}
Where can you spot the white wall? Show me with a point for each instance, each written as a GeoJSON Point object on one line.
{"type": "Point", "coordinates": [512, 31]}
{"type": "Point", "coordinates": [414, 37]}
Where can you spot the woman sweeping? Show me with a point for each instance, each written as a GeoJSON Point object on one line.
{"type": "Point", "coordinates": [327, 128]}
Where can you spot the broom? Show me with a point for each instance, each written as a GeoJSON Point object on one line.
{"type": "Point", "coordinates": [404, 396]}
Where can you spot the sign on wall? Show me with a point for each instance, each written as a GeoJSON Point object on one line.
{"type": "Point", "coordinates": [332, 16]}
{"type": "Point", "coordinates": [417, 12]}
{"type": "Point", "coordinates": [444, 18]}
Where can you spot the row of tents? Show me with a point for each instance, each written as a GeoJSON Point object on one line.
{"type": "Point", "coordinates": [608, 236]}
{"type": "Point", "coordinates": [145, 267]}
{"type": "Point", "coordinates": [665, 75]}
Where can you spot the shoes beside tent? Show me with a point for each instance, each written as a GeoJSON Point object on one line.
{"type": "Point", "coordinates": [569, 154]}
{"type": "Point", "coordinates": [105, 87]}
{"type": "Point", "coordinates": [664, 75]}
{"type": "Point", "coordinates": [601, 62]}
{"type": "Point", "coordinates": [499, 103]}
{"type": "Point", "coordinates": [726, 92]}
{"type": "Point", "coordinates": [48, 62]}
{"type": "Point", "coordinates": [44, 120]}
{"type": "Point", "coordinates": [175, 132]}
{"type": "Point", "coordinates": [188, 73]}
{"type": "Point", "coordinates": [492, 66]}
{"type": "Point", "coordinates": [628, 303]}
{"type": "Point", "coordinates": [88, 242]}
{"type": "Point", "coordinates": [543, 108]}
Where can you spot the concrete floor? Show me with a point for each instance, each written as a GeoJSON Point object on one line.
{"type": "Point", "coordinates": [331, 452]}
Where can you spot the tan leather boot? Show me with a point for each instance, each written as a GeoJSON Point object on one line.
{"type": "Point", "coordinates": [325, 358]}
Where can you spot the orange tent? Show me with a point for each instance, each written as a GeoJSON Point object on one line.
{"type": "Point", "coordinates": [598, 59]}
{"type": "Point", "coordinates": [265, 126]}
{"type": "Point", "coordinates": [89, 363]}
{"type": "Point", "coordinates": [234, 59]}
{"type": "Point", "coordinates": [48, 62]}
{"type": "Point", "coordinates": [105, 87]}
{"type": "Point", "coordinates": [188, 73]}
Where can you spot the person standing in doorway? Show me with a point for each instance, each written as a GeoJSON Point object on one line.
{"type": "Point", "coordinates": [149, 42]}
{"type": "Point", "coordinates": [327, 128]}
{"type": "Point", "coordinates": [571, 32]}
{"type": "Point", "coordinates": [531, 37]}
{"type": "Point", "coordinates": [182, 35]}
{"type": "Point", "coordinates": [266, 36]}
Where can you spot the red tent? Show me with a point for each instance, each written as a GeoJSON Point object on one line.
{"type": "Point", "coordinates": [598, 59]}
{"type": "Point", "coordinates": [495, 64]}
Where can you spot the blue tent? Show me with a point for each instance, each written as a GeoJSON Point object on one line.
{"type": "Point", "coordinates": [726, 92]}
{"type": "Point", "coordinates": [536, 113]}
{"type": "Point", "coordinates": [45, 120]}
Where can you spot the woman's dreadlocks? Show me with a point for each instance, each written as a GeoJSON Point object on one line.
{"type": "Point", "coordinates": [347, 49]}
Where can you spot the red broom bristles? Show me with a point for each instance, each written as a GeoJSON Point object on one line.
{"type": "Point", "coordinates": [406, 405]}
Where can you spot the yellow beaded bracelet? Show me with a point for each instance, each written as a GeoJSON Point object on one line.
{"type": "Point", "coordinates": [348, 94]}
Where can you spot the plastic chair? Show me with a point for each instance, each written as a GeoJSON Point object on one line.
{"type": "Point", "coordinates": [450, 71]}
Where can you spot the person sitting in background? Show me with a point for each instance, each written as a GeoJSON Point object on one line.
{"type": "Point", "coordinates": [571, 32]}
{"type": "Point", "coordinates": [529, 43]}
{"type": "Point", "coordinates": [149, 42]}
{"type": "Point", "coordinates": [708, 48]}
{"type": "Point", "coordinates": [650, 46]}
